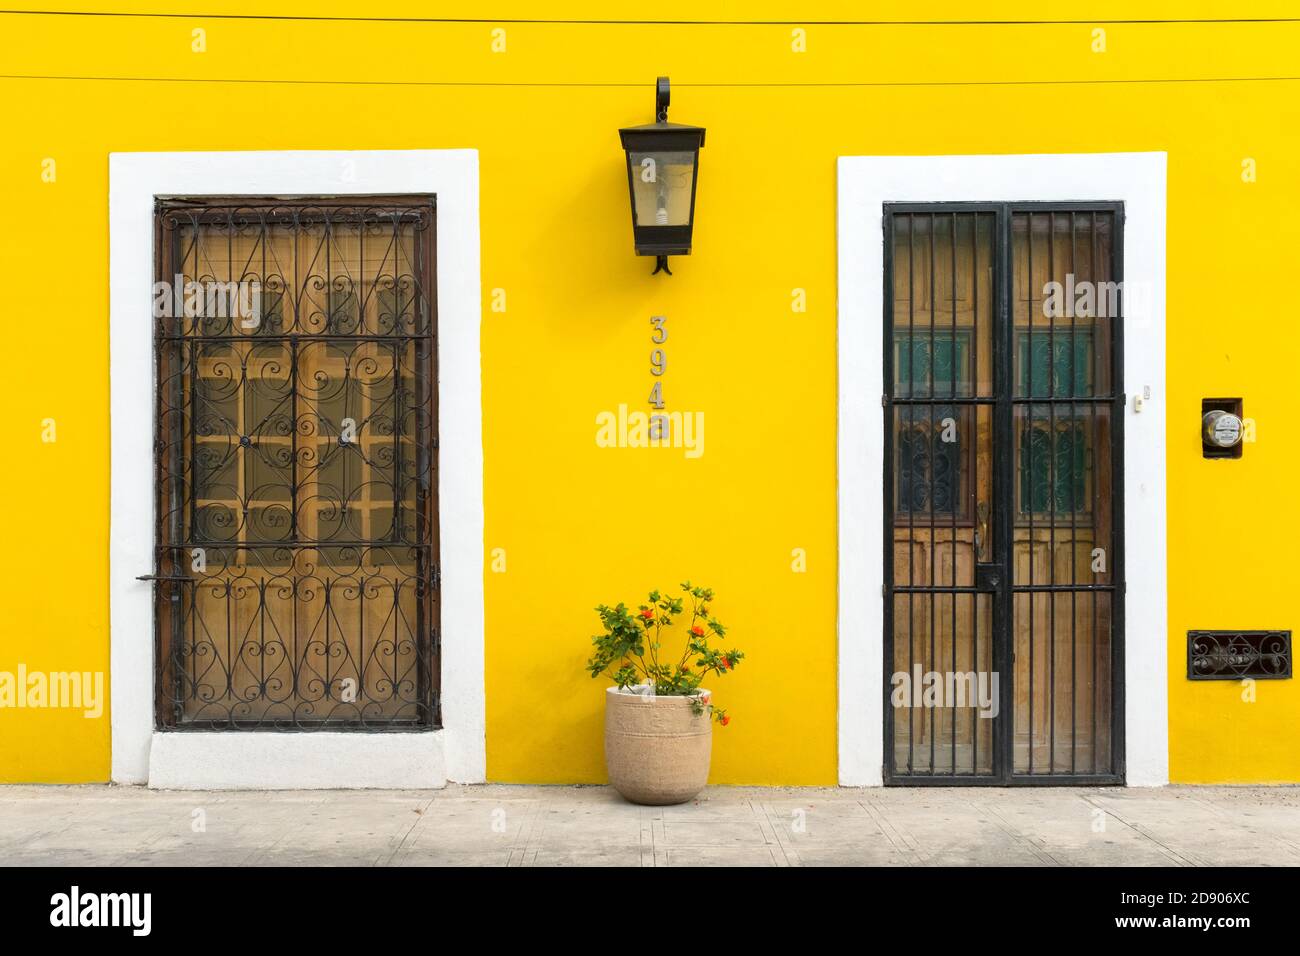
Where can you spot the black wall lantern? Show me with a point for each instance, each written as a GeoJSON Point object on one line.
{"type": "Point", "coordinates": [663, 161]}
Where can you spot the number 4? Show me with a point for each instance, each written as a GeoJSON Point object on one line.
{"type": "Point", "coordinates": [657, 395]}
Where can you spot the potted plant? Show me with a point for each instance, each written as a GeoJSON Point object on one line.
{"type": "Point", "coordinates": [658, 715]}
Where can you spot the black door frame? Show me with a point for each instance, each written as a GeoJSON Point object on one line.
{"type": "Point", "coordinates": [1000, 586]}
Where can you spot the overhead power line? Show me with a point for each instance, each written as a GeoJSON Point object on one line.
{"type": "Point", "coordinates": [578, 21]}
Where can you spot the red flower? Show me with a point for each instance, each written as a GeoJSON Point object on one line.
{"type": "Point", "coordinates": [724, 720]}
{"type": "Point", "coordinates": [647, 613]}
{"type": "Point", "coordinates": [697, 631]}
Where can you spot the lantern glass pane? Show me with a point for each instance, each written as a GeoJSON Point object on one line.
{"type": "Point", "coordinates": [661, 187]}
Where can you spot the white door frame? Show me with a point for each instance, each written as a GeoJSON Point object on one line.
{"type": "Point", "coordinates": [271, 760]}
{"type": "Point", "coordinates": [866, 183]}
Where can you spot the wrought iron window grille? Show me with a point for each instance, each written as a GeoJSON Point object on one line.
{"type": "Point", "coordinates": [296, 578]}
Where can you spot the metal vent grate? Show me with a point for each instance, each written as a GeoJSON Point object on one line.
{"type": "Point", "coordinates": [1233, 655]}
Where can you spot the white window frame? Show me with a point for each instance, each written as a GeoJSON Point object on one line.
{"type": "Point", "coordinates": [273, 760]}
{"type": "Point", "coordinates": [866, 183]}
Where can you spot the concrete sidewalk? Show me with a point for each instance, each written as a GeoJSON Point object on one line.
{"type": "Point", "coordinates": [498, 825]}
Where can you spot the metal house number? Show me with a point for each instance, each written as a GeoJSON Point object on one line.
{"type": "Point", "coordinates": [658, 365]}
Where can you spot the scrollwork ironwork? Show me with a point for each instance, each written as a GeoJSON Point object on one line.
{"type": "Point", "coordinates": [296, 467]}
{"type": "Point", "coordinates": [1234, 655]}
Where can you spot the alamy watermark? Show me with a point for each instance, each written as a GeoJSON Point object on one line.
{"type": "Point", "coordinates": [75, 690]}
{"type": "Point", "coordinates": [1084, 299]}
{"type": "Point", "coordinates": [955, 689]}
{"type": "Point", "coordinates": [75, 908]}
{"type": "Point", "coordinates": [624, 429]}
{"type": "Point", "coordinates": [177, 298]}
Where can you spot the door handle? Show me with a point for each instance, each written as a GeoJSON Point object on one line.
{"type": "Point", "coordinates": [981, 528]}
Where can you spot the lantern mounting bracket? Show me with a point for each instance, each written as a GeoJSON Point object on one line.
{"type": "Point", "coordinates": [663, 95]}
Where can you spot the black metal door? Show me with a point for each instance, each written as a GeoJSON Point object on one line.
{"type": "Point", "coordinates": [1003, 493]}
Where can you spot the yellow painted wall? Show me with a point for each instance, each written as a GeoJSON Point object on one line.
{"type": "Point", "coordinates": [581, 524]}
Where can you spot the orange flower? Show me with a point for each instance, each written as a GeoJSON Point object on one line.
{"type": "Point", "coordinates": [647, 613]}
{"type": "Point", "coordinates": [724, 720]}
{"type": "Point", "coordinates": [697, 631]}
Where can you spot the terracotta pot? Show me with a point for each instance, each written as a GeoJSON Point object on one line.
{"type": "Point", "coordinates": [657, 749]}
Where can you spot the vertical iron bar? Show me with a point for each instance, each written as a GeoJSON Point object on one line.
{"type": "Point", "coordinates": [196, 355]}
{"type": "Point", "coordinates": [909, 414]}
{"type": "Point", "coordinates": [972, 501]}
{"type": "Point", "coordinates": [184, 535]}
{"type": "Point", "coordinates": [230, 647]}
{"type": "Point", "coordinates": [361, 626]}
{"type": "Point", "coordinates": [1075, 432]}
{"type": "Point", "coordinates": [954, 490]}
{"type": "Point", "coordinates": [1096, 482]}
{"type": "Point", "coordinates": [325, 617]}
{"type": "Point", "coordinates": [261, 636]}
{"type": "Point", "coordinates": [1052, 443]}
{"type": "Point", "coordinates": [1029, 419]}
{"type": "Point", "coordinates": [1118, 578]}
{"type": "Point", "coordinates": [934, 578]}
{"type": "Point", "coordinates": [397, 641]}
{"type": "Point", "coordinates": [398, 401]}
{"type": "Point", "coordinates": [1002, 497]}
{"type": "Point", "coordinates": [429, 367]}
{"type": "Point", "coordinates": [890, 231]}
{"type": "Point", "coordinates": [425, 456]}
{"type": "Point", "coordinates": [161, 496]}
{"type": "Point", "coordinates": [176, 504]}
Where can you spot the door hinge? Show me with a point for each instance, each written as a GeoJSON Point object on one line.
{"type": "Point", "coordinates": [884, 400]}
